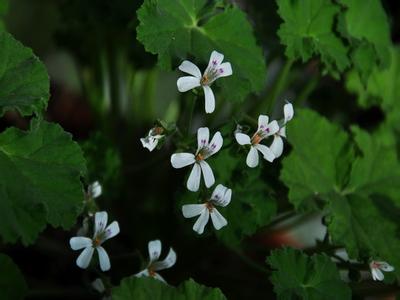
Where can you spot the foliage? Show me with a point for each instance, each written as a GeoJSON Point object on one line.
{"type": "Point", "coordinates": [12, 282]}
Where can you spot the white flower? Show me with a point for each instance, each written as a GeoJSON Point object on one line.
{"type": "Point", "coordinates": [95, 190]}
{"type": "Point", "coordinates": [215, 69]}
{"type": "Point", "coordinates": [152, 138]}
{"type": "Point", "coordinates": [377, 267]}
{"type": "Point", "coordinates": [155, 265]}
{"type": "Point", "coordinates": [101, 234]}
{"type": "Point", "coordinates": [220, 197]}
{"type": "Point", "coordinates": [204, 151]}
{"type": "Point", "coordinates": [264, 130]}
{"type": "Point", "coordinates": [277, 144]}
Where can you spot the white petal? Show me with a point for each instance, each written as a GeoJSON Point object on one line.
{"type": "Point", "coordinates": [180, 160]}
{"type": "Point", "coordinates": [190, 68]}
{"type": "Point", "coordinates": [215, 144]}
{"type": "Point", "coordinates": [158, 277]}
{"type": "Point", "coordinates": [209, 99]}
{"type": "Point", "coordinates": [262, 122]}
{"type": "Point", "coordinates": [144, 273]}
{"type": "Point", "coordinates": [252, 158]}
{"type": "Point", "coordinates": [282, 131]}
{"type": "Point", "coordinates": [272, 128]}
{"type": "Point", "coordinates": [186, 83]}
{"type": "Point", "coordinates": [168, 262]}
{"type": "Point", "coordinates": [384, 266]}
{"type": "Point", "coordinates": [201, 222]}
{"type": "Point", "coordinates": [98, 285]}
{"type": "Point", "coordinates": [224, 70]}
{"type": "Point", "coordinates": [149, 143]}
{"type": "Point", "coordinates": [266, 152]}
{"type": "Point", "coordinates": [154, 250]}
{"type": "Point", "coordinates": [100, 221]}
{"type": "Point", "coordinates": [377, 274]}
{"type": "Point", "coordinates": [208, 175]}
{"type": "Point", "coordinates": [192, 210]}
{"type": "Point", "coordinates": [95, 189]}
{"type": "Point", "coordinates": [221, 195]}
{"type": "Point", "coordinates": [277, 146]}
{"type": "Point", "coordinates": [111, 231]}
{"type": "Point", "coordinates": [288, 112]}
{"type": "Point", "coordinates": [79, 242]}
{"type": "Point", "coordinates": [217, 219]}
{"type": "Point", "coordinates": [242, 139]}
{"type": "Point", "coordinates": [203, 136]}
{"type": "Point", "coordinates": [216, 59]}
{"type": "Point", "coordinates": [193, 182]}
{"type": "Point", "coordinates": [85, 257]}
{"type": "Point", "coordinates": [105, 264]}
{"type": "Point", "coordinates": [227, 198]}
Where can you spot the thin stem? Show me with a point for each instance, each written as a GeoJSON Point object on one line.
{"type": "Point", "coordinates": [191, 111]}
{"type": "Point", "coordinates": [308, 89]}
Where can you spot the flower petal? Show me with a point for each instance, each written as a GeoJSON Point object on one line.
{"type": "Point", "coordinates": [217, 219]}
{"type": "Point", "coordinates": [180, 160]}
{"type": "Point", "coordinates": [104, 260]}
{"type": "Point", "coordinates": [201, 222]}
{"type": "Point", "coordinates": [266, 152]}
{"type": "Point", "coordinates": [203, 136]}
{"type": "Point", "coordinates": [95, 189]}
{"type": "Point", "coordinates": [271, 128]}
{"type": "Point", "coordinates": [215, 144]}
{"type": "Point", "coordinates": [168, 262]}
{"type": "Point", "coordinates": [252, 158]}
{"type": "Point", "coordinates": [221, 195]}
{"type": "Point", "coordinates": [98, 285]}
{"type": "Point", "coordinates": [224, 70]}
{"type": "Point", "coordinates": [186, 83]}
{"type": "Point", "coordinates": [216, 59]}
{"type": "Point", "coordinates": [242, 139]}
{"type": "Point", "coordinates": [144, 273]}
{"type": "Point", "coordinates": [154, 250]}
{"type": "Point", "coordinates": [190, 68]}
{"type": "Point", "coordinates": [85, 257]}
{"type": "Point", "coordinates": [384, 266]}
{"type": "Point", "coordinates": [288, 112]}
{"type": "Point", "coordinates": [159, 277]}
{"type": "Point", "coordinates": [377, 274]}
{"type": "Point", "coordinates": [277, 146]}
{"type": "Point", "coordinates": [111, 230]}
{"type": "Point", "coordinates": [208, 174]}
{"type": "Point", "coordinates": [192, 210]}
{"type": "Point", "coordinates": [100, 219]}
{"type": "Point", "coordinates": [282, 131]}
{"type": "Point", "coordinates": [262, 122]}
{"type": "Point", "coordinates": [80, 242]}
{"type": "Point", "coordinates": [209, 99]}
{"type": "Point", "coordinates": [149, 143]}
{"type": "Point", "coordinates": [193, 182]}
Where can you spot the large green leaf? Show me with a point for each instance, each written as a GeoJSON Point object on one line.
{"type": "Point", "coordinates": [149, 288]}
{"type": "Point", "coordinates": [24, 83]}
{"type": "Point", "coordinates": [312, 169]}
{"type": "Point", "coordinates": [42, 170]}
{"type": "Point", "coordinates": [298, 276]}
{"type": "Point", "coordinates": [12, 283]}
{"type": "Point", "coordinates": [307, 30]}
{"type": "Point", "coordinates": [178, 30]}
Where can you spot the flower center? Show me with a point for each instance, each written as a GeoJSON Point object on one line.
{"type": "Point", "coordinates": [209, 206]}
{"type": "Point", "coordinates": [97, 241]}
{"type": "Point", "coordinates": [256, 139]}
{"type": "Point", "coordinates": [157, 130]}
{"type": "Point", "coordinates": [151, 271]}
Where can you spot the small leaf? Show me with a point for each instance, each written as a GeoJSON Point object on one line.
{"type": "Point", "coordinates": [300, 276]}
{"type": "Point", "coordinates": [12, 283]}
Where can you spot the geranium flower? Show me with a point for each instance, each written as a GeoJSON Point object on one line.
{"type": "Point", "coordinates": [377, 267]}
{"type": "Point", "coordinates": [277, 144]}
{"type": "Point", "coordinates": [264, 130]}
{"type": "Point", "coordinates": [215, 69]}
{"type": "Point", "coordinates": [151, 140]}
{"type": "Point", "coordinates": [155, 265]}
{"type": "Point", "coordinates": [220, 197]}
{"type": "Point", "coordinates": [101, 234]}
{"type": "Point", "coordinates": [204, 151]}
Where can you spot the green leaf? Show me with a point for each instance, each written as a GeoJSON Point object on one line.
{"type": "Point", "coordinates": [307, 30]}
{"type": "Point", "coordinates": [178, 30]}
{"type": "Point", "coordinates": [149, 288]}
{"type": "Point", "coordinates": [24, 83]}
{"type": "Point", "coordinates": [312, 169]}
{"type": "Point", "coordinates": [12, 283]}
{"type": "Point", "coordinates": [3, 12]}
{"type": "Point", "coordinates": [43, 167]}
{"type": "Point", "coordinates": [300, 276]}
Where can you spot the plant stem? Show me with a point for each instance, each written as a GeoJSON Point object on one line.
{"type": "Point", "coordinates": [191, 111]}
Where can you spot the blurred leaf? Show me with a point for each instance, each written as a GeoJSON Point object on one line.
{"type": "Point", "coordinates": [307, 30]}
{"type": "Point", "coordinates": [311, 169]}
{"type": "Point", "coordinates": [43, 167]}
{"type": "Point", "coordinates": [300, 276]}
{"type": "Point", "coordinates": [3, 12]}
{"type": "Point", "coordinates": [12, 283]}
{"type": "Point", "coordinates": [149, 288]}
{"type": "Point", "coordinates": [177, 30]}
{"type": "Point", "coordinates": [24, 83]}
